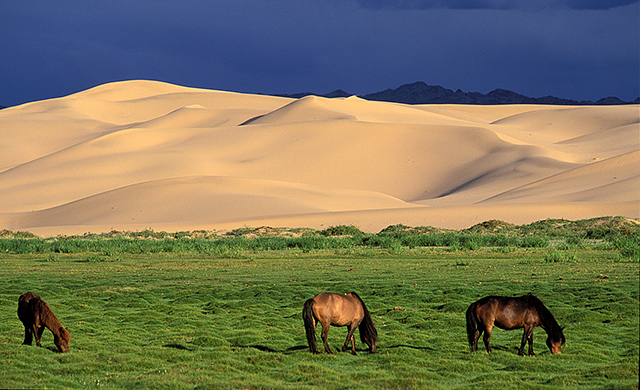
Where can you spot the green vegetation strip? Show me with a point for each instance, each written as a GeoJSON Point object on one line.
{"type": "Point", "coordinates": [607, 233]}
{"type": "Point", "coordinates": [232, 319]}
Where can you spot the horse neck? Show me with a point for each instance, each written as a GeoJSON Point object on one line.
{"type": "Point", "coordinates": [51, 322]}
{"type": "Point", "coordinates": [549, 323]}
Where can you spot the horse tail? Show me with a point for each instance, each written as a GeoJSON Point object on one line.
{"type": "Point", "coordinates": [309, 325]}
{"type": "Point", "coordinates": [549, 322]}
{"type": "Point", "coordinates": [472, 323]}
{"type": "Point", "coordinates": [368, 332]}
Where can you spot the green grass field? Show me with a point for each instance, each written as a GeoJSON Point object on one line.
{"type": "Point", "coordinates": [233, 320]}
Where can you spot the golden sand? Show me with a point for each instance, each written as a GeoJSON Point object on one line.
{"type": "Point", "coordinates": [142, 154]}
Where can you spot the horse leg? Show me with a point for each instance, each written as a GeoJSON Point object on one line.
{"type": "Point", "coordinates": [38, 333]}
{"type": "Point", "coordinates": [486, 337]}
{"type": "Point", "coordinates": [531, 343]}
{"type": "Point", "coordinates": [474, 343]}
{"type": "Point", "coordinates": [523, 343]}
{"type": "Point", "coordinates": [527, 336]}
{"type": "Point", "coordinates": [353, 344]}
{"type": "Point", "coordinates": [28, 335]}
{"type": "Point", "coordinates": [352, 329]}
{"type": "Point", "coordinates": [325, 332]}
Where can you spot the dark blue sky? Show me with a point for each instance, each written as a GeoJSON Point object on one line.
{"type": "Point", "coordinates": [575, 49]}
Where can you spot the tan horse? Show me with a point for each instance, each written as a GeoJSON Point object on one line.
{"type": "Point", "coordinates": [338, 310]}
{"type": "Point", "coordinates": [36, 315]}
{"type": "Point", "coordinates": [508, 313]}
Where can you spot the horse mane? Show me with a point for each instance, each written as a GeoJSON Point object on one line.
{"type": "Point", "coordinates": [548, 321]}
{"type": "Point", "coordinates": [367, 329]}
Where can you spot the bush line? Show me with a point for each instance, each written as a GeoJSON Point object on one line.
{"type": "Point", "coordinates": [609, 233]}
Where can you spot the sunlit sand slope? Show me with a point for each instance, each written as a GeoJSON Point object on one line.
{"type": "Point", "coordinates": [142, 154]}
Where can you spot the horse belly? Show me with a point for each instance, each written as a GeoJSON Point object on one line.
{"type": "Point", "coordinates": [509, 321]}
{"type": "Point", "coordinates": [340, 322]}
{"type": "Point", "coordinates": [345, 320]}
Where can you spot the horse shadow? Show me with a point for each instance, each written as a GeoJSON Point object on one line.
{"type": "Point", "coordinates": [265, 348]}
{"type": "Point", "coordinates": [178, 346]}
{"type": "Point", "coordinates": [411, 346]}
{"type": "Point", "coordinates": [297, 348]}
{"type": "Point", "coordinates": [262, 348]}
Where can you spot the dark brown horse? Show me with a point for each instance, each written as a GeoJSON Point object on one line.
{"type": "Point", "coordinates": [36, 315]}
{"type": "Point", "coordinates": [508, 313]}
{"type": "Point", "coordinates": [338, 310]}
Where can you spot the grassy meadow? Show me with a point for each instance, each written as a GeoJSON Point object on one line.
{"type": "Point", "coordinates": [176, 311]}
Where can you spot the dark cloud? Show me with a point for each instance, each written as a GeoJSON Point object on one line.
{"type": "Point", "coordinates": [496, 4]}
{"type": "Point", "coordinates": [52, 49]}
{"type": "Point", "coordinates": [596, 4]}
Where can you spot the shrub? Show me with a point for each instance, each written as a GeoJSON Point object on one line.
{"type": "Point", "coordinates": [399, 228]}
{"type": "Point", "coordinates": [534, 242]}
{"type": "Point", "coordinates": [629, 247]}
{"type": "Point", "coordinates": [342, 230]}
{"type": "Point", "coordinates": [471, 242]}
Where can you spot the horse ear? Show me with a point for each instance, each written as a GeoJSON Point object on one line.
{"type": "Point", "coordinates": [562, 329]}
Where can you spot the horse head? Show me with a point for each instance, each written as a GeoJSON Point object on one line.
{"type": "Point", "coordinates": [62, 339]}
{"type": "Point", "coordinates": [556, 338]}
{"type": "Point", "coordinates": [555, 346]}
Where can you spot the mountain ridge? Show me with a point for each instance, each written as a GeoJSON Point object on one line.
{"type": "Point", "coordinates": [420, 92]}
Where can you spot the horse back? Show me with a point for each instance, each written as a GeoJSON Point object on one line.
{"type": "Point", "coordinates": [518, 312]}
{"type": "Point", "coordinates": [338, 309]}
{"type": "Point", "coordinates": [507, 312]}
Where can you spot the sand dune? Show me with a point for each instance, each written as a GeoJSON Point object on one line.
{"type": "Point", "coordinates": [142, 154]}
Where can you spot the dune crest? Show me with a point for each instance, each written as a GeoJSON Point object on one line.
{"type": "Point", "coordinates": [145, 154]}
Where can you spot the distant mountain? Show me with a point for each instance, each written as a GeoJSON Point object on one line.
{"type": "Point", "coordinates": [422, 93]}
{"type": "Point", "coordinates": [334, 94]}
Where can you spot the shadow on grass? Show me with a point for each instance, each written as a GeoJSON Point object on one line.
{"type": "Point", "coordinates": [178, 346]}
{"type": "Point", "coordinates": [264, 348]}
{"type": "Point", "coordinates": [410, 346]}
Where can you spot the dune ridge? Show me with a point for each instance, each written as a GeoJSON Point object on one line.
{"type": "Point", "coordinates": [144, 154]}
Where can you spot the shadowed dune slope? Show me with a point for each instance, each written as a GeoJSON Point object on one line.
{"type": "Point", "coordinates": [143, 154]}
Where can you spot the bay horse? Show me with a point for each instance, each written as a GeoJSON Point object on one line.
{"type": "Point", "coordinates": [338, 310]}
{"type": "Point", "coordinates": [36, 315]}
{"type": "Point", "coordinates": [510, 313]}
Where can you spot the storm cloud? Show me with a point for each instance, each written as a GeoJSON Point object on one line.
{"type": "Point", "coordinates": [575, 49]}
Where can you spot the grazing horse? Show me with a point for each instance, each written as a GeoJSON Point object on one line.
{"type": "Point", "coordinates": [338, 310]}
{"type": "Point", "coordinates": [509, 313]}
{"type": "Point", "coordinates": [36, 315]}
